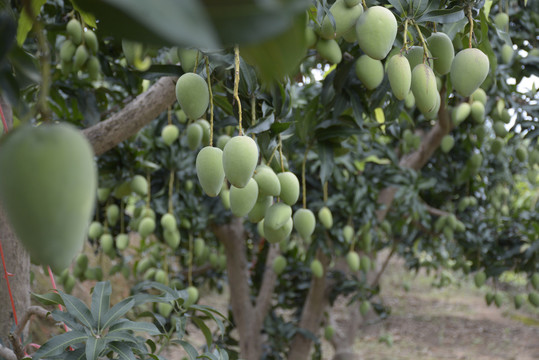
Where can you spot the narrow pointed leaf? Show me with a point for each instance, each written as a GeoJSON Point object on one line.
{"type": "Point", "coordinates": [121, 336]}
{"type": "Point", "coordinates": [205, 330]}
{"type": "Point", "coordinates": [67, 319]}
{"type": "Point", "coordinates": [77, 354]}
{"type": "Point", "coordinates": [189, 349]}
{"type": "Point", "coordinates": [123, 350]}
{"type": "Point", "coordinates": [147, 327]}
{"type": "Point", "coordinates": [78, 309]}
{"type": "Point", "coordinates": [117, 311]}
{"type": "Point", "coordinates": [52, 298]}
{"type": "Point", "coordinates": [59, 343]}
{"type": "Point", "coordinates": [94, 347]}
{"type": "Point", "coordinates": [100, 302]}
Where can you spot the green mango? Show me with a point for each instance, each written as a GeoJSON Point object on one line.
{"type": "Point", "coordinates": [95, 230]}
{"type": "Point", "coordinates": [161, 277]}
{"type": "Point", "coordinates": [277, 215]}
{"type": "Point", "coordinates": [289, 187]}
{"type": "Point", "coordinates": [210, 172]}
{"type": "Point", "coordinates": [198, 247]}
{"type": "Point", "coordinates": [409, 100]}
{"type": "Point", "coordinates": [352, 258]}
{"type": "Point", "coordinates": [479, 279]}
{"type": "Point", "coordinates": [317, 269]}
{"type": "Point", "coordinates": [170, 133]}
{"type": "Point", "coordinates": [279, 264]}
{"type": "Point", "coordinates": [172, 237]}
{"type": "Point", "coordinates": [69, 284]}
{"type": "Point", "coordinates": [496, 146]}
{"type": "Point", "coordinates": [325, 217]}
{"type": "Point", "coordinates": [521, 153]}
{"type": "Point", "coordinates": [146, 227]}
{"type": "Point", "coordinates": [165, 309]}
{"type": "Point", "coordinates": [107, 243]}
{"type": "Point", "coordinates": [225, 198]}
{"type": "Point", "coordinates": [415, 56]}
{"type": "Point", "coordinates": [139, 185]}
{"type": "Point", "coordinates": [399, 74]}
{"type": "Point", "coordinates": [240, 157]}
{"type": "Point", "coordinates": [81, 56]}
{"type": "Point", "coordinates": [376, 31]}
{"type": "Point", "coordinates": [275, 236]}
{"type": "Point", "coordinates": [351, 3]}
{"type": "Point", "coordinates": [193, 95]}
{"type": "Point", "coordinates": [258, 211]}
{"type": "Point", "coordinates": [329, 50]}
{"type": "Point", "coordinates": [113, 213]}
{"type": "Point", "coordinates": [477, 110]}
{"type": "Point", "coordinates": [498, 299]}
{"type": "Point", "coordinates": [242, 200]}
{"type": "Point", "coordinates": [267, 180]}
{"type": "Point", "coordinates": [49, 216]}
{"type": "Point", "coordinates": [260, 228]}
{"type": "Point", "coordinates": [194, 135]}
{"type": "Point", "coordinates": [348, 234]}
{"type": "Point", "coordinates": [533, 298]}
{"type": "Point", "coordinates": [468, 70]}
{"type": "Point", "coordinates": [441, 48]}
{"type": "Point", "coordinates": [501, 20]}
{"type": "Point", "coordinates": [188, 58]}
{"type": "Point", "coordinates": [222, 140]}
{"type": "Point", "coordinates": [94, 68]}
{"type": "Point", "coordinates": [369, 71]}
{"type": "Point", "coordinates": [304, 223]}
{"type": "Point", "coordinates": [329, 332]}
{"type": "Point", "coordinates": [345, 18]}
{"type": "Point", "coordinates": [168, 222]}
{"type": "Point", "coordinates": [365, 263]}
{"type": "Point", "coordinates": [499, 129]}
{"type": "Point", "coordinates": [74, 30]}
{"type": "Point", "coordinates": [192, 296]}
{"type": "Point", "coordinates": [432, 114]}
{"type": "Point", "coordinates": [447, 143]}
{"type": "Point", "coordinates": [460, 113]}
{"type": "Point", "coordinates": [479, 95]}
{"type": "Point", "coordinates": [424, 88]}
{"type": "Point", "coordinates": [364, 307]}
{"type": "Point", "coordinates": [310, 37]}
{"type": "Point", "coordinates": [534, 280]}
{"type": "Point", "coordinates": [67, 50]}
{"type": "Point", "coordinates": [90, 40]}
{"type": "Point", "coordinates": [519, 300]}
{"type": "Point", "coordinates": [122, 241]}
{"type": "Point", "coordinates": [82, 261]}
{"type": "Point", "coordinates": [205, 125]}
{"type": "Point", "coordinates": [507, 53]}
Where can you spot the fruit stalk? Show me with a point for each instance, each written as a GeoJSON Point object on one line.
{"type": "Point", "coordinates": [303, 182]}
{"type": "Point", "coordinates": [470, 20]}
{"type": "Point", "coordinates": [44, 59]}
{"type": "Point", "coordinates": [190, 262]}
{"type": "Point", "coordinates": [281, 152]}
{"type": "Point", "coordinates": [237, 82]}
{"type": "Point", "coordinates": [170, 191]}
{"type": "Point", "coordinates": [423, 43]}
{"type": "Point", "coordinates": [405, 35]}
{"type": "Point", "coordinates": [211, 98]}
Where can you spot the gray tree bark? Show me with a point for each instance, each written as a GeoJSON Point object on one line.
{"type": "Point", "coordinates": [17, 263]}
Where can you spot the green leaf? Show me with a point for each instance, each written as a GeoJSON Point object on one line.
{"type": "Point", "coordinates": [205, 330]}
{"type": "Point", "coordinates": [123, 350]}
{"type": "Point", "coordinates": [325, 153]}
{"type": "Point", "coordinates": [67, 319]}
{"type": "Point", "coordinates": [78, 309]}
{"type": "Point", "coordinates": [52, 298]}
{"type": "Point", "coordinates": [26, 21]}
{"type": "Point", "coordinates": [59, 343]}
{"type": "Point", "coordinates": [94, 347]}
{"type": "Point", "coordinates": [89, 19]}
{"type": "Point", "coordinates": [117, 311]}
{"type": "Point", "coordinates": [399, 5]}
{"type": "Point", "coordinates": [166, 22]}
{"type": "Point", "coordinates": [141, 326]}
{"type": "Point", "coordinates": [121, 336]}
{"type": "Point", "coordinates": [100, 302]}
{"type": "Point", "coordinates": [189, 349]}
{"type": "Point", "coordinates": [77, 354]}
{"type": "Point", "coordinates": [444, 16]}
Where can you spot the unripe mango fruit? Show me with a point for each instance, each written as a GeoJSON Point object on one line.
{"type": "Point", "coordinates": [364, 307]}
{"type": "Point", "coordinates": [94, 68]}
{"type": "Point", "coordinates": [304, 223]}
{"type": "Point", "coordinates": [345, 17]}
{"type": "Point", "coordinates": [242, 200]}
{"type": "Point", "coordinates": [277, 215]}
{"type": "Point", "coordinates": [352, 258]}
{"type": "Point", "coordinates": [369, 71]}
{"type": "Point", "coordinates": [441, 48]}
{"type": "Point", "coordinates": [222, 140]}
{"type": "Point", "coordinates": [478, 112]}
{"type": "Point", "coordinates": [460, 113]}
{"type": "Point", "coordinates": [289, 187]}
{"type": "Point", "coordinates": [113, 212]}
{"type": "Point", "coordinates": [348, 234]}
{"type": "Point", "coordinates": [122, 241]}
{"type": "Point", "coordinates": [501, 20]}
{"type": "Point", "coordinates": [479, 95]}
{"type": "Point", "coordinates": [499, 129]}
{"type": "Point", "coordinates": [329, 50]}
{"type": "Point", "coordinates": [107, 243]}
{"type": "Point", "coordinates": [424, 88]}
{"type": "Point", "coordinates": [415, 56]}
{"type": "Point", "coordinates": [146, 227]}
{"type": "Point", "coordinates": [95, 230]}
{"type": "Point", "coordinates": [479, 279]}
{"type": "Point", "coordinates": [399, 74]}
{"type": "Point", "coordinates": [139, 185]}
{"type": "Point", "coordinates": [168, 222]}
{"type": "Point", "coordinates": [507, 53]}
{"type": "Point", "coordinates": [325, 217]}
{"type": "Point", "coordinates": [81, 55]}
{"type": "Point", "coordinates": [317, 269]}
{"type": "Point", "coordinates": [210, 172]}
{"type": "Point", "coordinates": [468, 71]}
{"type": "Point", "coordinates": [205, 125]}
{"type": "Point", "coordinates": [74, 30]}
{"type": "Point", "coordinates": [170, 133]}
{"type": "Point", "coordinates": [279, 264]}
{"type": "Point", "coordinates": [49, 216]}
{"type": "Point", "coordinates": [496, 146]}
{"type": "Point", "coordinates": [277, 235]}
{"type": "Point", "coordinates": [376, 31]}
{"type": "Point", "coordinates": [67, 50]}
{"type": "Point", "coordinates": [188, 59]}
{"type": "Point", "coordinates": [91, 41]}
{"type": "Point", "coordinates": [267, 180]}
{"type": "Point", "coordinates": [193, 95]}
{"type": "Point", "coordinates": [258, 211]}
{"type": "Point", "coordinates": [240, 156]}
{"type": "Point", "coordinates": [447, 143]}
{"type": "Point", "coordinates": [194, 135]}
{"type": "Point", "coordinates": [199, 247]}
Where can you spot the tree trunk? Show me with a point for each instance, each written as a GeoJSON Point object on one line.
{"type": "Point", "coordinates": [17, 263]}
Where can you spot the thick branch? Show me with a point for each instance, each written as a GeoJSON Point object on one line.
{"type": "Point", "coordinates": [32, 310]}
{"type": "Point", "coordinates": [7, 353]}
{"type": "Point", "coordinates": [134, 116]}
{"type": "Point", "coordinates": [312, 312]}
{"type": "Point", "coordinates": [263, 300]}
{"type": "Point", "coordinates": [435, 211]}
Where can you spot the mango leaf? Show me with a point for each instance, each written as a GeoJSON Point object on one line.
{"type": "Point", "coordinates": [399, 5]}
{"type": "Point", "coordinates": [121, 336]}
{"type": "Point", "coordinates": [189, 349]}
{"type": "Point", "coordinates": [117, 311]}
{"type": "Point", "coordinates": [78, 309]}
{"type": "Point", "coordinates": [100, 302]}
{"type": "Point", "coordinates": [443, 16]}
{"type": "Point", "coordinates": [67, 319]}
{"type": "Point", "coordinates": [26, 20]}
{"type": "Point", "coordinates": [94, 347]}
{"type": "Point", "coordinates": [89, 19]}
{"type": "Point", "coordinates": [52, 298]}
{"type": "Point", "coordinates": [59, 343]}
{"type": "Point", "coordinates": [146, 327]}
{"type": "Point", "coordinates": [327, 163]}
{"type": "Point", "coordinates": [8, 31]}
{"type": "Point", "coordinates": [123, 350]}
{"type": "Point", "coordinates": [205, 330]}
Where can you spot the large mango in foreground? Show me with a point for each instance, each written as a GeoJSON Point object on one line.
{"type": "Point", "coordinates": [376, 31]}
{"type": "Point", "coordinates": [47, 188]}
{"type": "Point", "coordinates": [468, 71]}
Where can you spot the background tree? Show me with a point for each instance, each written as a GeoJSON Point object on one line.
{"type": "Point", "coordinates": [372, 159]}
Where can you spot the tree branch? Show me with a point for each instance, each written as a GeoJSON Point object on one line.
{"type": "Point", "coordinates": [134, 116]}
{"type": "Point", "coordinates": [7, 353]}
{"type": "Point", "coordinates": [263, 300]}
{"type": "Point", "coordinates": [32, 310]}
{"type": "Point", "coordinates": [435, 211]}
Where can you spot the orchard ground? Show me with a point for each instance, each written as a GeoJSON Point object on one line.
{"type": "Point", "coordinates": [425, 322]}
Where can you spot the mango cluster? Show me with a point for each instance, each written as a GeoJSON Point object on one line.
{"type": "Point", "coordinates": [79, 50]}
